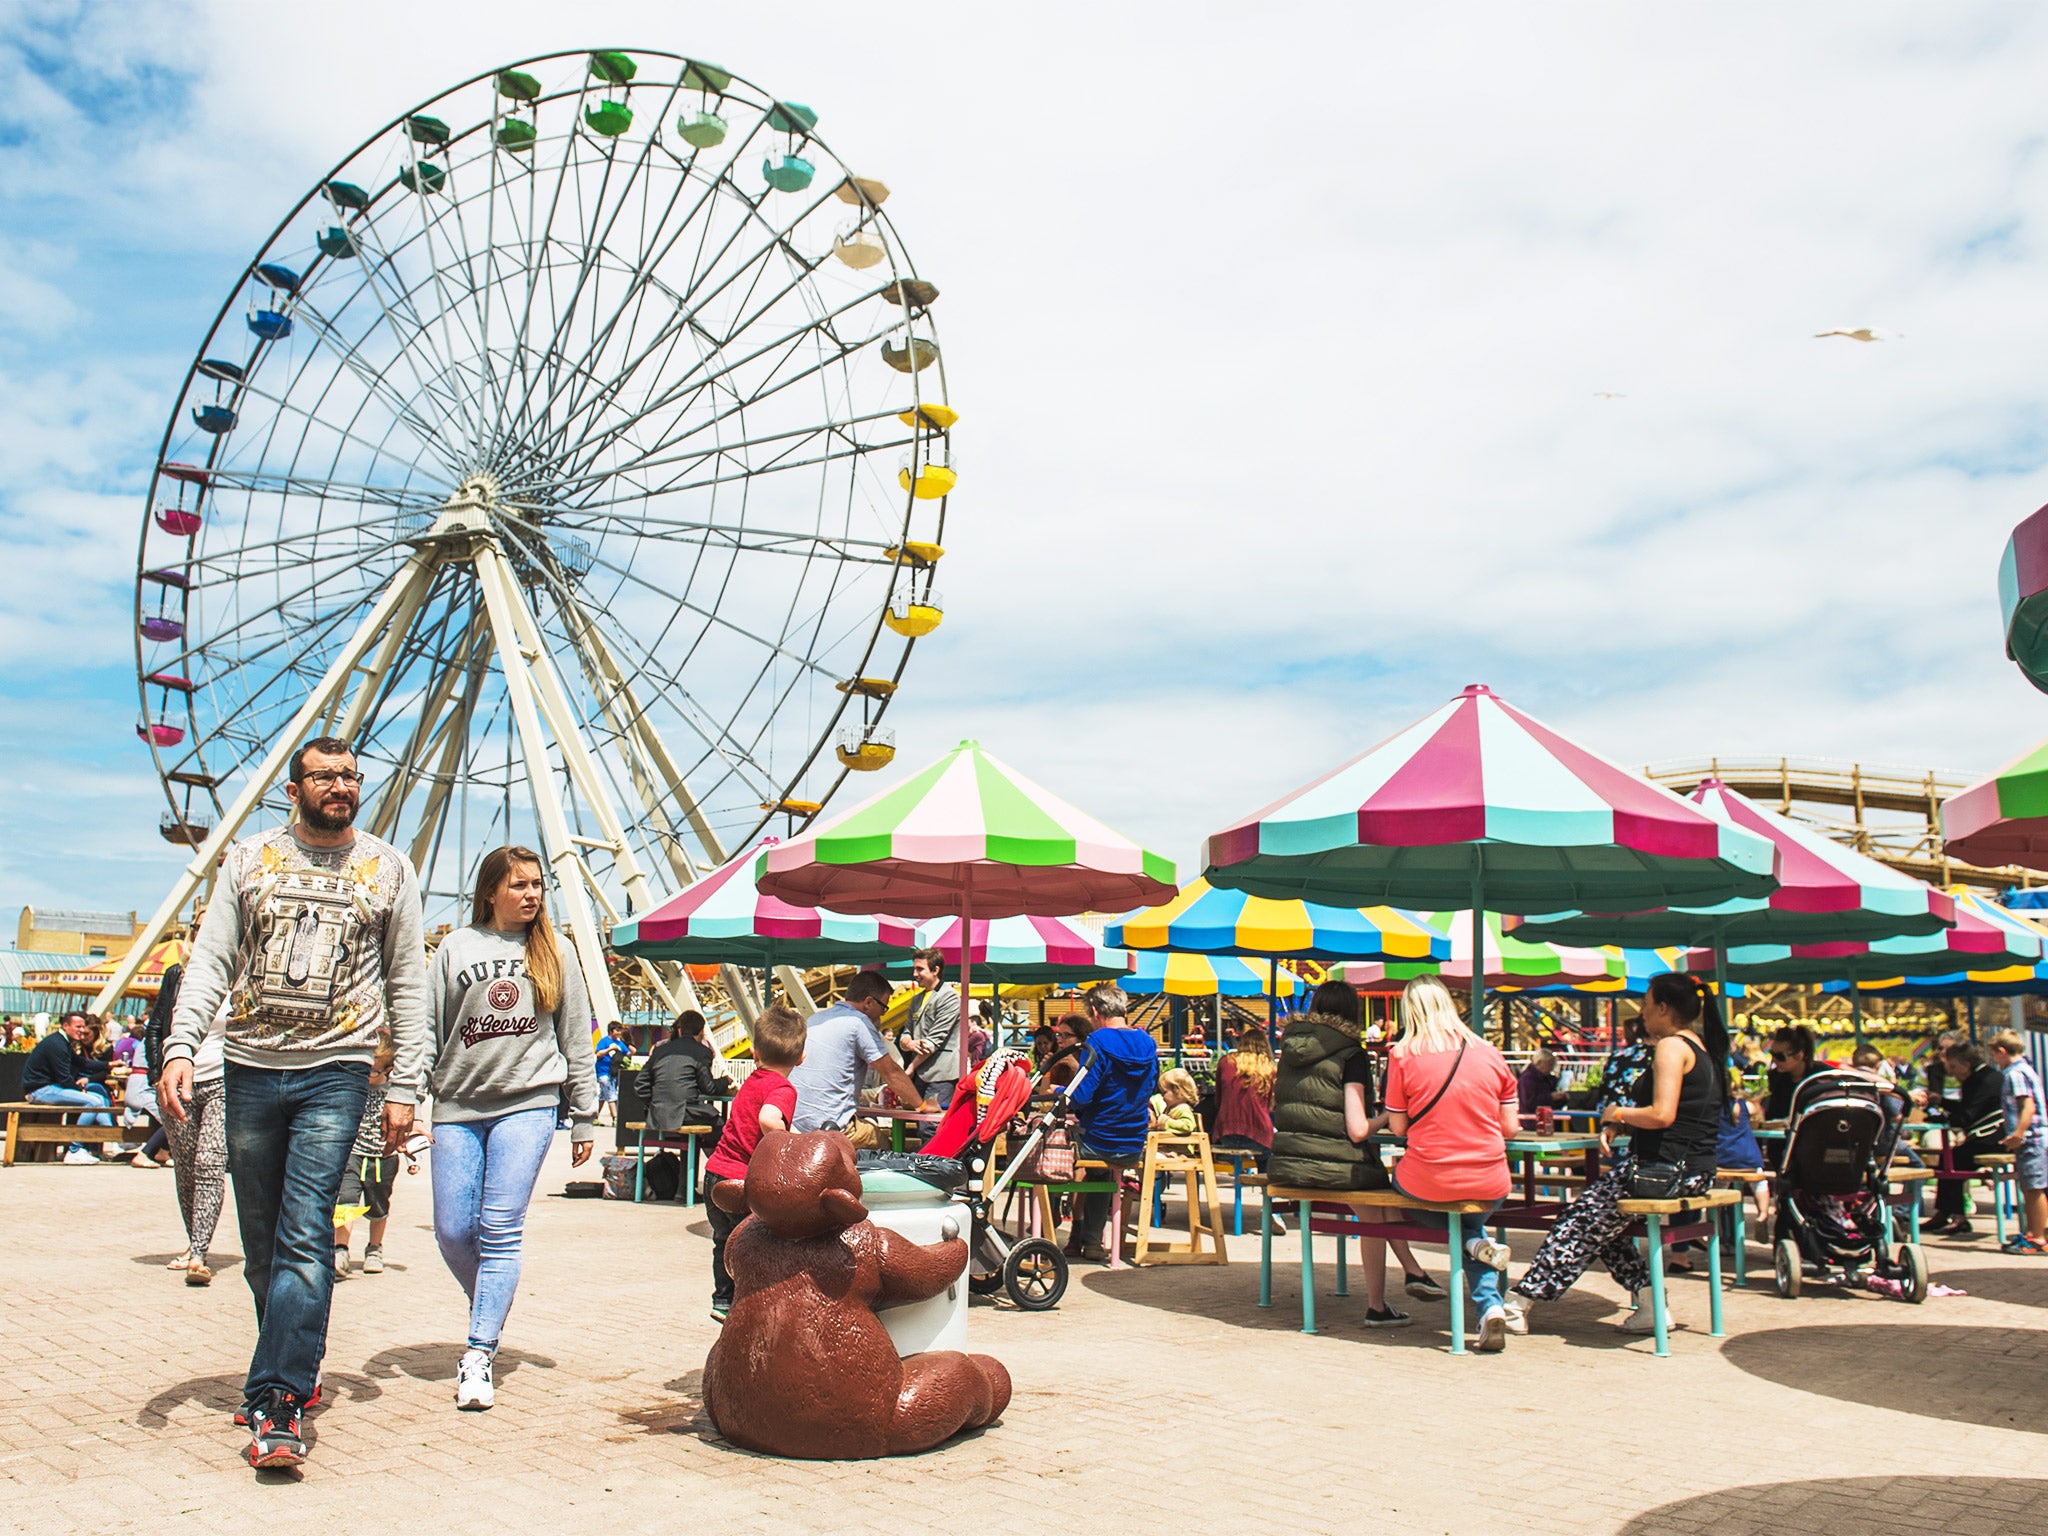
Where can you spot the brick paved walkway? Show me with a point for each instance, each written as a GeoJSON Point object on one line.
{"type": "Point", "coordinates": [1162, 1400]}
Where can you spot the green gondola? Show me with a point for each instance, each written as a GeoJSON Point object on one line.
{"type": "Point", "coordinates": [698, 75]}
{"type": "Point", "coordinates": [609, 118]}
{"type": "Point", "coordinates": [424, 177]}
{"type": "Point", "coordinates": [338, 243]}
{"type": "Point", "coordinates": [347, 195]}
{"type": "Point", "coordinates": [516, 134]}
{"type": "Point", "coordinates": [516, 85]}
{"type": "Point", "coordinates": [792, 173]}
{"type": "Point", "coordinates": [426, 130]}
{"type": "Point", "coordinates": [791, 117]}
{"type": "Point", "coordinates": [703, 129]}
{"type": "Point", "coordinates": [613, 68]}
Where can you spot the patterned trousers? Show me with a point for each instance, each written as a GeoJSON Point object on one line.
{"type": "Point", "coordinates": [1593, 1227]}
{"type": "Point", "coordinates": [199, 1144]}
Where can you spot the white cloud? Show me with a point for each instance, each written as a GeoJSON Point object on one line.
{"type": "Point", "coordinates": [1278, 336]}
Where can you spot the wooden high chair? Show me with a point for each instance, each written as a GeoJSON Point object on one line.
{"type": "Point", "coordinates": [1190, 1157]}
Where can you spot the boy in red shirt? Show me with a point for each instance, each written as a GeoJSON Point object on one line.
{"type": "Point", "coordinates": [766, 1102]}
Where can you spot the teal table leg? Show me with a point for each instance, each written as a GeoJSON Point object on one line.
{"type": "Point", "coordinates": [1741, 1254]}
{"type": "Point", "coordinates": [689, 1170]}
{"type": "Point", "coordinates": [1884, 1213]}
{"type": "Point", "coordinates": [1237, 1196]}
{"type": "Point", "coordinates": [1656, 1224]}
{"type": "Point", "coordinates": [1454, 1239]}
{"type": "Point", "coordinates": [640, 1167]}
{"type": "Point", "coordinates": [1714, 1276]}
{"type": "Point", "coordinates": [1308, 1274]}
{"type": "Point", "coordinates": [1266, 1256]}
{"type": "Point", "coordinates": [1343, 1274]}
{"type": "Point", "coordinates": [1918, 1196]}
{"type": "Point", "coordinates": [1998, 1207]}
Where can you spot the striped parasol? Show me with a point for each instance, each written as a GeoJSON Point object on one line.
{"type": "Point", "coordinates": [1204, 920]}
{"type": "Point", "coordinates": [2023, 597]}
{"type": "Point", "coordinates": [1479, 804]}
{"type": "Point", "coordinates": [723, 919]}
{"type": "Point", "coordinates": [1024, 950]}
{"type": "Point", "coordinates": [1180, 975]}
{"type": "Point", "coordinates": [966, 836]}
{"type": "Point", "coordinates": [2002, 819]}
{"type": "Point", "coordinates": [1510, 961]}
{"type": "Point", "coordinates": [1985, 937]}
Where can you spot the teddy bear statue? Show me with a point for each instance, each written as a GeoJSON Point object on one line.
{"type": "Point", "coordinates": [803, 1367]}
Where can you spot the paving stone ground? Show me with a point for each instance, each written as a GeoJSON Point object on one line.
{"type": "Point", "coordinates": [1162, 1400]}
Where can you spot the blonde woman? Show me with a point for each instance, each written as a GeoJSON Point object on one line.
{"type": "Point", "coordinates": [511, 1028]}
{"type": "Point", "coordinates": [1455, 1099]}
{"type": "Point", "coordinates": [1244, 1095]}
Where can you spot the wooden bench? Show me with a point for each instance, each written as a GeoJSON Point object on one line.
{"type": "Point", "coordinates": [1348, 1223]}
{"type": "Point", "coordinates": [1190, 1157]}
{"type": "Point", "coordinates": [682, 1139]}
{"type": "Point", "coordinates": [1664, 1223]}
{"type": "Point", "coordinates": [40, 1126]}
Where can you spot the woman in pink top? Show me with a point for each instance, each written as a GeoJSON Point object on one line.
{"type": "Point", "coordinates": [1454, 1098]}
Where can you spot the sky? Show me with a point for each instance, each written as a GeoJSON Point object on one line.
{"type": "Point", "coordinates": [1313, 361]}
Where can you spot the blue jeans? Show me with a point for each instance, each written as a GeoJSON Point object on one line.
{"type": "Point", "coordinates": [288, 1140]}
{"type": "Point", "coordinates": [79, 1098]}
{"type": "Point", "coordinates": [484, 1173]}
{"type": "Point", "coordinates": [1482, 1280]}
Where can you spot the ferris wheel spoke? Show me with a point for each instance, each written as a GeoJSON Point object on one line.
{"type": "Point", "coordinates": [377, 256]}
{"type": "Point", "coordinates": [226, 559]}
{"type": "Point", "coordinates": [421, 434]}
{"type": "Point", "coordinates": [228, 727]}
{"type": "Point", "coordinates": [728, 536]}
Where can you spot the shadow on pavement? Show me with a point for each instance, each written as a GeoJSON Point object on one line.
{"type": "Point", "coordinates": [437, 1362]}
{"type": "Point", "coordinates": [223, 1395]}
{"type": "Point", "coordinates": [1870, 1506]}
{"type": "Point", "coordinates": [219, 1263]}
{"type": "Point", "coordinates": [1988, 1376]}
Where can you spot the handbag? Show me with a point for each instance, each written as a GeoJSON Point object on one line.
{"type": "Point", "coordinates": [1655, 1180]}
{"type": "Point", "coordinates": [1053, 1160]}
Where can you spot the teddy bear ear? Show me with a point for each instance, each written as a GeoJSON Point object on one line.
{"type": "Point", "coordinates": [843, 1208]}
{"type": "Point", "coordinates": [730, 1196]}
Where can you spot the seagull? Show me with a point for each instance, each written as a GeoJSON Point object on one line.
{"type": "Point", "coordinates": [1860, 333]}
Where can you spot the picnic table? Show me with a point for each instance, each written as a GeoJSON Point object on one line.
{"type": "Point", "coordinates": [899, 1120]}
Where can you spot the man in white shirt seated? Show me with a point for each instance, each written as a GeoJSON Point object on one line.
{"type": "Point", "coordinates": [842, 1043]}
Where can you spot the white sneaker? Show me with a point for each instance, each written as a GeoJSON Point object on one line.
{"type": "Point", "coordinates": [341, 1263]}
{"type": "Point", "coordinates": [1517, 1309]}
{"type": "Point", "coordinates": [1642, 1320]}
{"type": "Point", "coordinates": [1484, 1250]}
{"type": "Point", "coordinates": [79, 1155]}
{"type": "Point", "coordinates": [473, 1389]}
{"type": "Point", "coordinates": [1493, 1331]}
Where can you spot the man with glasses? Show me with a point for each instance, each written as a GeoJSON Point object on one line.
{"type": "Point", "coordinates": [314, 939]}
{"type": "Point", "coordinates": [842, 1043]}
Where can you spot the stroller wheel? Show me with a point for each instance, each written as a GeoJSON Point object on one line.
{"type": "Point", "coordinates": [1787, 1269]}
{"type": "Point", "coordinates": [1035, 1275]}
{"type": "Point", "coordinates": [985, 1285]}
{"type": "Point", "coordinates": [1914, 1263]}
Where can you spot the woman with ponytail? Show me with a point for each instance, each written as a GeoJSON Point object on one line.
{"type": "Point", "coordinates": [511, 1028]}
{"type": "Point", "coordinates": [1673, 1126]}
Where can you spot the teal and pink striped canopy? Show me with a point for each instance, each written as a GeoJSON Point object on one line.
{"type": "Point", "coordinates": [722, 920]}
{"type": "Point", "coordinates": [2023, 597]}
{"type": "Point", "coordinates": [1985, 937]}
{"type": "Point", "coordinates": [2002, 819]}
{"type": "Point", "coordinates": [1510, 961]}
{"type": "Point", "coordinates": [970, 835]}
{"type": "Point", "coordinates": [1827, 892]}
{"type": "Point", "coordinates": [1479, 794]}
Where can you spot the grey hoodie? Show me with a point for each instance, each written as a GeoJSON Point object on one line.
{"type": "Point", "coordinates": [490, 1050]}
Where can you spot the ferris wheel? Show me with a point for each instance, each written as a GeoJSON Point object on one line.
{"type": "Point", "coordinates": [579, 448]}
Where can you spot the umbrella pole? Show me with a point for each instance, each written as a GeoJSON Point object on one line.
{"type": "Point", "coordinates": [966, 969]}
{"type": "Point", "coordinates": [1972, 1000]}
{"type": "Point", "coordinates": [1855, 1007]}
{"type": "Point", "coordinates": [1721, 982]}
{"type": "Point", "coordinates": [1479, 941]}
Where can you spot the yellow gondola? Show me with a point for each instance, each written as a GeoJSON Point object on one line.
{"type": "Point", "coordinates": [911, 552]}
{"type": "Point", "coordinates": [915, 616]}
{"type": "Point", "coordinates": [932, 482]}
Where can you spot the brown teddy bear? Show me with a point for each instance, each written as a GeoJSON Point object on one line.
{"type": "Point", "coordinates": [802, 1366]}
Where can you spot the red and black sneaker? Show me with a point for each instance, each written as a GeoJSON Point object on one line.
{"type": "Point", "coordinates": [242, 1413]}
{"type": "Point", "coordinates": [275, 1438]}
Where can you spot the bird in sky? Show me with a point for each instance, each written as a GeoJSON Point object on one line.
{"type": "Point", "coordinates": [1859, 333]}
{"type": "Point", "coordinates": [1609, 394]}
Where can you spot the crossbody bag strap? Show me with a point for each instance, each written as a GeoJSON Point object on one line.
{"type": "Point", "coordinates": [1441, 1089]}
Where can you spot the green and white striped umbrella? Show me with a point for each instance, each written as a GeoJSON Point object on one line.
{"type": "Point", "coordinates": [967, 836]}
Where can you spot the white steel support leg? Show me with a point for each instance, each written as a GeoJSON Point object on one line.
{"type": "Point", "coordinates": [652, 768]}
{"type": "Point", "coordinates": [430, 732]}
{"type": "Point", "coordinates": [552, 699]}
{"type": "Point", "coordinates": [414, 575]}
{"type": "Point", "coordinates": [454, 740]}
{"type": "Point", "coordinates": [352, 719]}
{"type": "Point", "coordinates": [501, 598]}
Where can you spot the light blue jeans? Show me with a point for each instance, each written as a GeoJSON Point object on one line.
{"type": "Point", "coordinates": [77, 1098]}
{"type": "Point", "coordinates": [484, 1173]}
{"type": "Point", "coordinates": [1483, 1280]}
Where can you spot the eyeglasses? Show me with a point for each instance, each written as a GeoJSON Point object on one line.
{"type": "Point", "coordinates": [347, 778]}
{"type": "Point", "coordinates": [1781, 1056]}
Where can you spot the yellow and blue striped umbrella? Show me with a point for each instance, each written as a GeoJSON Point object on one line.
{"type": "Point", "coordinates": [1206, 976]}
{"type": "Point", "coordinates": [1202, 920]}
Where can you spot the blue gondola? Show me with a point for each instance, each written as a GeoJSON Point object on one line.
{"type": "Point", "coordinates": [221, 369]}
{"type": "Point", "coordinates": [282, 278]}
{"type": "Point", "coordinates": [213, 418]}
{"type": "Point", "coordinates": [269, 324]}
{"type": "Point", "coordinates": [337, 243]}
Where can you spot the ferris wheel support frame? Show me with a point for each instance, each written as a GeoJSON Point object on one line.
{"type": "Point", "coordinates": [415, 575]}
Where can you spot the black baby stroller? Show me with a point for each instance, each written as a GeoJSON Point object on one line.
{"type": "Point", "coordinates": [1833, 1184]}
